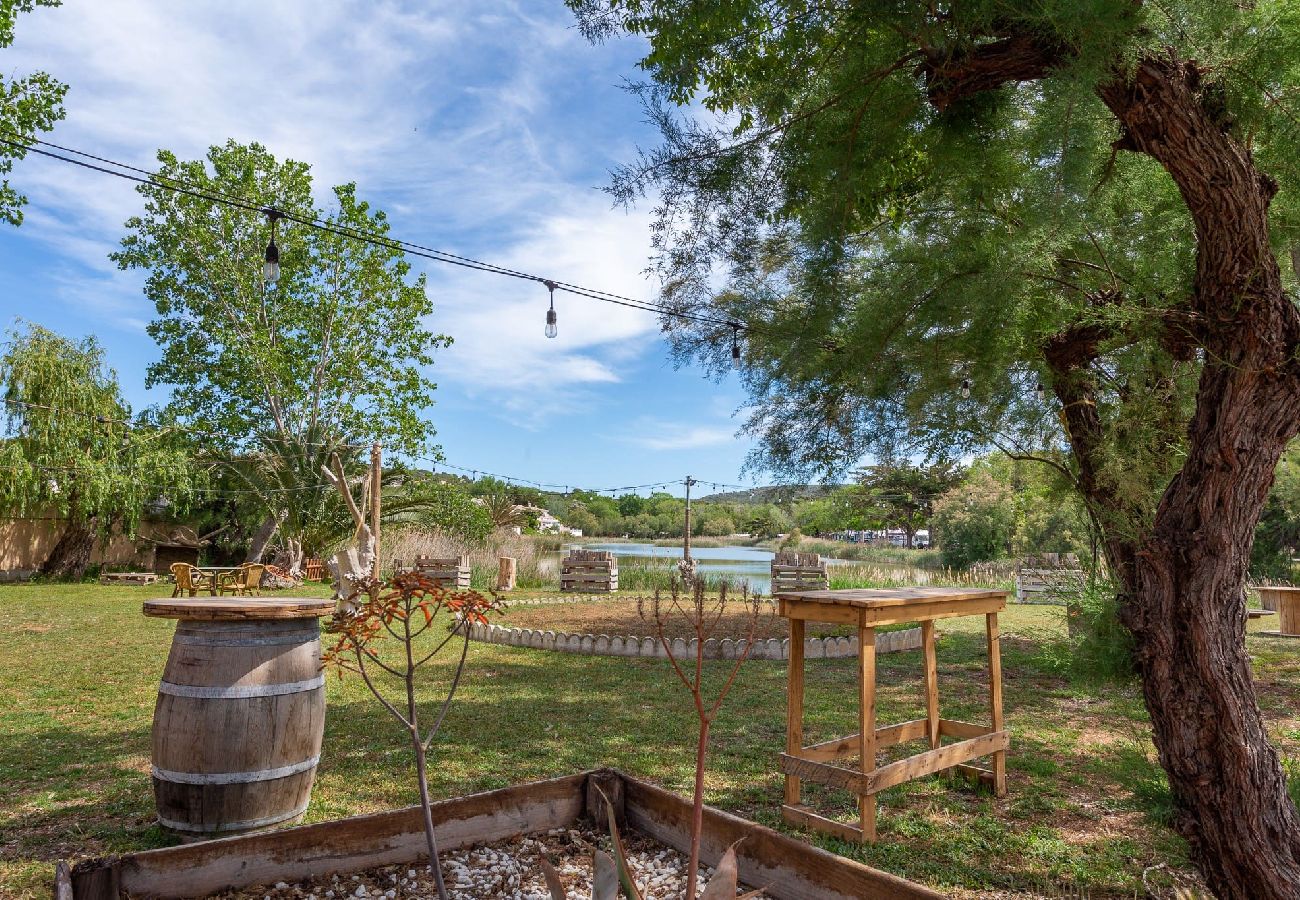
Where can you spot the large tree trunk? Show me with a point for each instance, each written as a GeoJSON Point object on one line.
{"type": "Point", "coordinates": [71, 554]}
{"type": "Point", "coordinates": [1188, 612]}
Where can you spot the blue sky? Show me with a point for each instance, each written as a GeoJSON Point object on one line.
{"type": "Point", "coordinates": [484, 129]}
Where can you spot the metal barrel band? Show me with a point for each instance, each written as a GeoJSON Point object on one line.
{"type": "Point", "coordinates": [297, 637]}
{"type": "Point", "coordinates": [195, 828]}
{"type": "Point", "coordinates": [240, 692]}
{"type": "Point", "coordinates": [235, 777]}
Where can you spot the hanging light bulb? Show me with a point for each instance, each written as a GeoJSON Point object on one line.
{"type": "Point", "coordinates": [53, 487]}
{"type": "Point", "coordinates": [735, 345]}
{"type": "Point", "coordinates": [965, 388]}
{"type": "Point", "coordinates": [1041, 392]}
{"type": "Point", "coordinates": [551, 330]}
{"type": "Point", "coordinates": [271, 268]}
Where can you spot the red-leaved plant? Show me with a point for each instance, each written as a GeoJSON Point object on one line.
{"type": "Point", "coordinates": [405, 610]}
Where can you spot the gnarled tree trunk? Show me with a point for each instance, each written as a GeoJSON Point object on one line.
{"type": "Point", "coordinates": [262, 537]}
{"type": "Point", "coordinates": [71, 554]}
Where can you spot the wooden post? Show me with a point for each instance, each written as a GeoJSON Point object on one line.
{"type": "Point", "coordinates": [376, 473]}
{"type": "Point", "coordinates": [995, 701]}
{"type": "Point", "coordinates": [686, 535]}
{"type": "Point", "coordinates": [794, 709]}
{"type": "Point", "coordinates": [507, 567]}
{"type": "Point", "coordinates": [931, 683]}
{"type": "Point", "coordinates": [867, 724]}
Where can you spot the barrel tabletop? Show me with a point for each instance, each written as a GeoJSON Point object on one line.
{"type": "Point", "coordinates": [238, 609]}
{"type": "Point", "coordinates": [879, 598]}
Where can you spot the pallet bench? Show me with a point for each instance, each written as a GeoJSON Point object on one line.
{"type": "Point", "coordinates": [798, 572]}
{"type": "Point", "coordinates": [127, 577]}
{"type": "Point", "coordinates": [589, 572]}
{"type": "Point", "coordinates": [452, 572]}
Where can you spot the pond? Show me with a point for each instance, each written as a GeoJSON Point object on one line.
{"type": "Point", "coordinates": [751, 564]}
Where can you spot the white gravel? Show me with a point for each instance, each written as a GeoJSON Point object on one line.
{"type": "Point", "coordinates": [507, 870]}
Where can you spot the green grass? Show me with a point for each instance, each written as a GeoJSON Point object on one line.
{"type": "Point", "coordinates": [1087, 806]}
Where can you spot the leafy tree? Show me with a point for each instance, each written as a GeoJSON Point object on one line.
{"type": "Point", "coordinates": [27, 105]}
{"type": "Point", "coordinates": [953, 205]}
{"type": "Point", "coordinates": [328, 358]}
{"type": "Point", "coordinates": [901, 495]}
{"type": "Point", "coordinates": [502, 510]}
{"type": "Point", "coordinates": [975, 521]}
{"type": "Point", "coordinates": [1278, 534]}
{"type": "Point", "coordinates": [70, 453]}
{"type": "Point", "coordinates": [631, 504]}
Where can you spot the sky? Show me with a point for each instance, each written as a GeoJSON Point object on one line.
{"type": "Point", "coordinates": [486, 129]}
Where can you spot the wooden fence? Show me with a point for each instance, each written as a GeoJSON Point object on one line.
{"type": "Point", "coordinates": [589, 572]}
{"type": "Point", "coordinates": [798, 572]}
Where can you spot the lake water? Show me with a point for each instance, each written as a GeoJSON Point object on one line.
{"type": "Point", "coordinates": [751, 564]}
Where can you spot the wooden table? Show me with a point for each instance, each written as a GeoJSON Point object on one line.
{"type": "Point", "coordinates": [869, 609]}
{"type": "Point", "coordinates": [1286, 600]}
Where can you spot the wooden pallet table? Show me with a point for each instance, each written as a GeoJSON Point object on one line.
{"type": "Point", "coordinates": [868, 610]}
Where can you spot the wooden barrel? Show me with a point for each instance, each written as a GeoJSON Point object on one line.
{"type": "Point", "coordinates": [238, 724]}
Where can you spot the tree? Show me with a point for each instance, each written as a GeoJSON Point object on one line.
{"type": "Point", "coordinates": [1278, 533]}
{"type": "Point", "coordinates": [901, 495]}
{"type": "Point", "coordinates": [280, 376]}
{"type": "Point", "coordinates": [27, 105]}
{"type": "Point", "coordinates": [956, 205]}
{"type": "Point", "coordinates": [974, 521]}
{"type": "Point", "coordinates": [70, 451]}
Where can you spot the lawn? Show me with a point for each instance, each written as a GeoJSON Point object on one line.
{"type": "Point", "coordinates": [1086, 809]}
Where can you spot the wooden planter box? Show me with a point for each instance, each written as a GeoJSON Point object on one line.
{"type": "Point", "coordinates": [786, 868]}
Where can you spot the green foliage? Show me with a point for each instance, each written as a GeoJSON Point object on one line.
{"type": "Point", "coordinates": [975, 521]}
{"type": "Point", "coordinates": [1278, 533]}
{"type": "Point", "coordinates": [28, 105]}
{"type": "Point", "coordinates": [901, 495]}
{"type": "Point", "coordinates": [79, 460]}
{"type": "Point", "coordinates": [1097, 647]}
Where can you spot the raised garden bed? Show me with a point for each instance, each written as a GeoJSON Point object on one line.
{"type": "Point", "coordinates": [787, 869]}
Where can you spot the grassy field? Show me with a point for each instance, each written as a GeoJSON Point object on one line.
{"type": "Point", "coordinates": [1087, 805]}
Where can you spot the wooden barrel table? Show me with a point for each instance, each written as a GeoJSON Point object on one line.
{"type": "Point", "coordinates": [240, 714]}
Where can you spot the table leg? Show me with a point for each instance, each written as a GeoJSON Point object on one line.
{"type": "Point", "coordinates": [867, 724]}
{"type": "Point", "coordinates": [794, 709]}
{"type": "Point", "coordinates": [931, 684]}
{"type": "Point", "coordinates": [995, 701]}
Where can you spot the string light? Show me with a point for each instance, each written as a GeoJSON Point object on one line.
{"type": "Point", "coordinates": [551, 330]}
{"type": "Point", "coordinates": [735, 345]}
{"type": "Point", "coordinates": [965, 388]}
{"type": "Point", "coordinates": [271, 270]}
{"type": "Point", "coordinates": [1041, 392]}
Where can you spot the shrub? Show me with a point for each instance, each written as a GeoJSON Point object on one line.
{"type": "Point", "coordinates": [975, 521]}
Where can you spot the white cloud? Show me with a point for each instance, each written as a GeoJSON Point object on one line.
{"type": "Point", "coordinates": [655, 434]}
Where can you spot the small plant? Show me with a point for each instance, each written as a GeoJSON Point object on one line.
{"type": "Point", "coordinates": [702, 614]}
{"type": "Point", "coordinates": [405, 609]}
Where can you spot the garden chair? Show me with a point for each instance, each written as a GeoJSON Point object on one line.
{"type": "Point", "coordinates": [246, 580]}
{"type": "Point", "coordinates": [188, 580]}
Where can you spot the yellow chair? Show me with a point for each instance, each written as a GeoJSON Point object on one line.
{"type": "Point", "coordinates": [189, 580]}
{"type": "Point", "coordinates": [246, 580]}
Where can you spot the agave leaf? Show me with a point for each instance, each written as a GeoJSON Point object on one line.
{"type": "Point", "coordinates": [604, 877]}
{"type": "Point", "coordinates": [620, 855]}
{"type": "Point", "coordinates": [552, 880]}
{"type": "Point", "coordinates": [725, 881]}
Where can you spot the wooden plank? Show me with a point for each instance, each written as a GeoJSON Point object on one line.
{"type": "Point", "coordinates": [942, 609]}
{"type": "Point", "coordinates": [980, 776]}
{"type": "Point", "coordinates": [933, 761]}
{"type": "Point", "coordinates": [931, 683]}
{"type": "Point", "coordinates": [794, 705]}
{"type": "Point", "coordinates": [850, 745]}
{"type": "Point", "coordinates": [867, 725]}
{"type": "Point", "coordinates": [995, 701]}
{"type": "Point", "coordinates": [876, 598]}
{"type": "Point", "coordinates": [786, 868]}
{"type": "Point", "coordinates": [803, 817]}
{"type": "Point", "coordinates": [229, 610]}
{"type": "Point", "coordinates": [346, 845]}
{"type": "Point", "coordinates": [963, 730]}
{"type": "Point", "coordinates": [822, 773]}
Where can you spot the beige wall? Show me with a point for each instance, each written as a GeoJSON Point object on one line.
{"type": "Point", "coordinates": [25, 544]}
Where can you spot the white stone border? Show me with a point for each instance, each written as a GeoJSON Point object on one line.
{"type": "Point", "coordinates": [632, 645]}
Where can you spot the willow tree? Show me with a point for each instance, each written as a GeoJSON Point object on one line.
{"type": "Point", "coordinates": [921, 213]}
{"type": "Point", "coordinates": [281, 375]}
{"type": "Point", "coordinates": [69, 453]}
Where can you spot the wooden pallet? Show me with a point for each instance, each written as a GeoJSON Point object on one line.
{"type": "Point", "coordinates": [799, 572]}
{"type": "Point", "coordinates": [452, 572]}
{"type": "Point", "coordinates": [589, 572]}
{"type": "Point", "coordinates": [127, 577]}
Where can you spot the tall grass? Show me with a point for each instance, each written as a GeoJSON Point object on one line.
{"type": "Point", "coordinates": [872, 553]}
{"type": "Point", "coordinates": [873, 576]}
{"type": "Point", "coordinates": [661, 574]}
{"type": "Point", "coordinates": [535, 567]}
